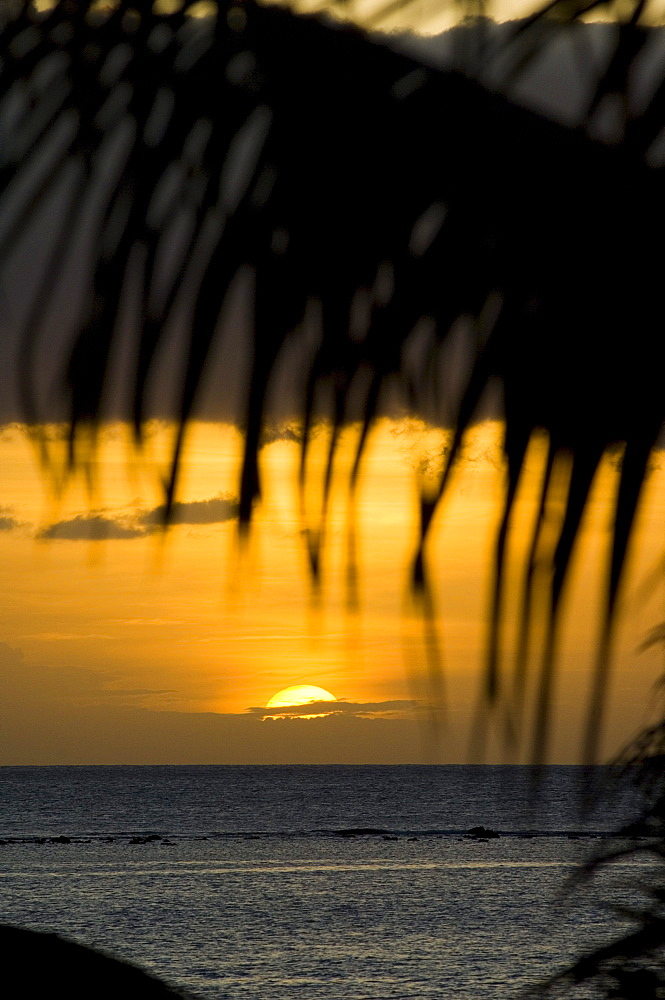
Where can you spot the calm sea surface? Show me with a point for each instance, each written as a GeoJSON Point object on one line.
{"type": "Point", "coordinates": [316, 882]}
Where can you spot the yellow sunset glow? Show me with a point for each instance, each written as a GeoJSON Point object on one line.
{"type": "Point", "coordinates": [299, 694]}
{"type": "Point", "coordinates": [146, 647]}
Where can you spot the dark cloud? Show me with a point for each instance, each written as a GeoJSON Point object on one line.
{"type": "Point", "coordinates": [98, 526]}
{"type": "Point", "coordinates": [37, 433]}
{"type": "Point", "coordinates": [282, 432]}
{"type": "Point", "coordinates": [358, 708]}
{"type": "Point", "coordinates": [115, 734]}
{"type": "Point", "coordinates": [91, 527]}
{"type": "Point", "coordinates": [68, 714]}
{"type": "Point", "coordinates": [7, 521]}
{"type": "Point", "coordinates": [223, 507]}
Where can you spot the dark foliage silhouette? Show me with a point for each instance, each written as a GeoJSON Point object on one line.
{"type": "Point", "coordinates": [349, 191]}
{"type": "Point", "coordinates": [632, 966]}
{"type": "Point", "coordinates": [356, 191]}
{"type": "Point", "coordinates": [47, 965]}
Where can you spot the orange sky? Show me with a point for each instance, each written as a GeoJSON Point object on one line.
{"type": "Point", "coordinates": [143, 649]}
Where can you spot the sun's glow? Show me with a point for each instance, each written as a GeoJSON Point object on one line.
{"type": "Point", "coordinates": [300, 694]}
{"type": "Point", "coordinates": [145, 634]}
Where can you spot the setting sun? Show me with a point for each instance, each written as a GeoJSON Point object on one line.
{"type": "Point", "coordinates": [300, 694]}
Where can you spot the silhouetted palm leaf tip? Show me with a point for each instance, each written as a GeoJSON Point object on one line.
{"type": "Point", "coordinates": [357, 192]}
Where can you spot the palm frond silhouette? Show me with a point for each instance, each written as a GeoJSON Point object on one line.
{"type": "Point", "coordinates": [355, 186]}
{"type": "Point", "coordinates": [350, 190]}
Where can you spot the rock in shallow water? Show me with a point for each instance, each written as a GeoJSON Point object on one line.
{"type": "Point", "coordinates": [481, 833]}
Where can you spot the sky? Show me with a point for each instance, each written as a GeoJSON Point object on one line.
{"type": "Point", "coordinates": [122, 645]}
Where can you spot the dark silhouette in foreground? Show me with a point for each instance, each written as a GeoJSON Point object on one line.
{"type": "Point", "coordinates": [355, 202]}
{"type": "Point", "coordinates": [305, 198]}
{"type": "Point", "coordinates": [38, 966]}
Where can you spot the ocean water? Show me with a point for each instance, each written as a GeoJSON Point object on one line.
{"type": "Point", "coordinates": [317, 882]}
